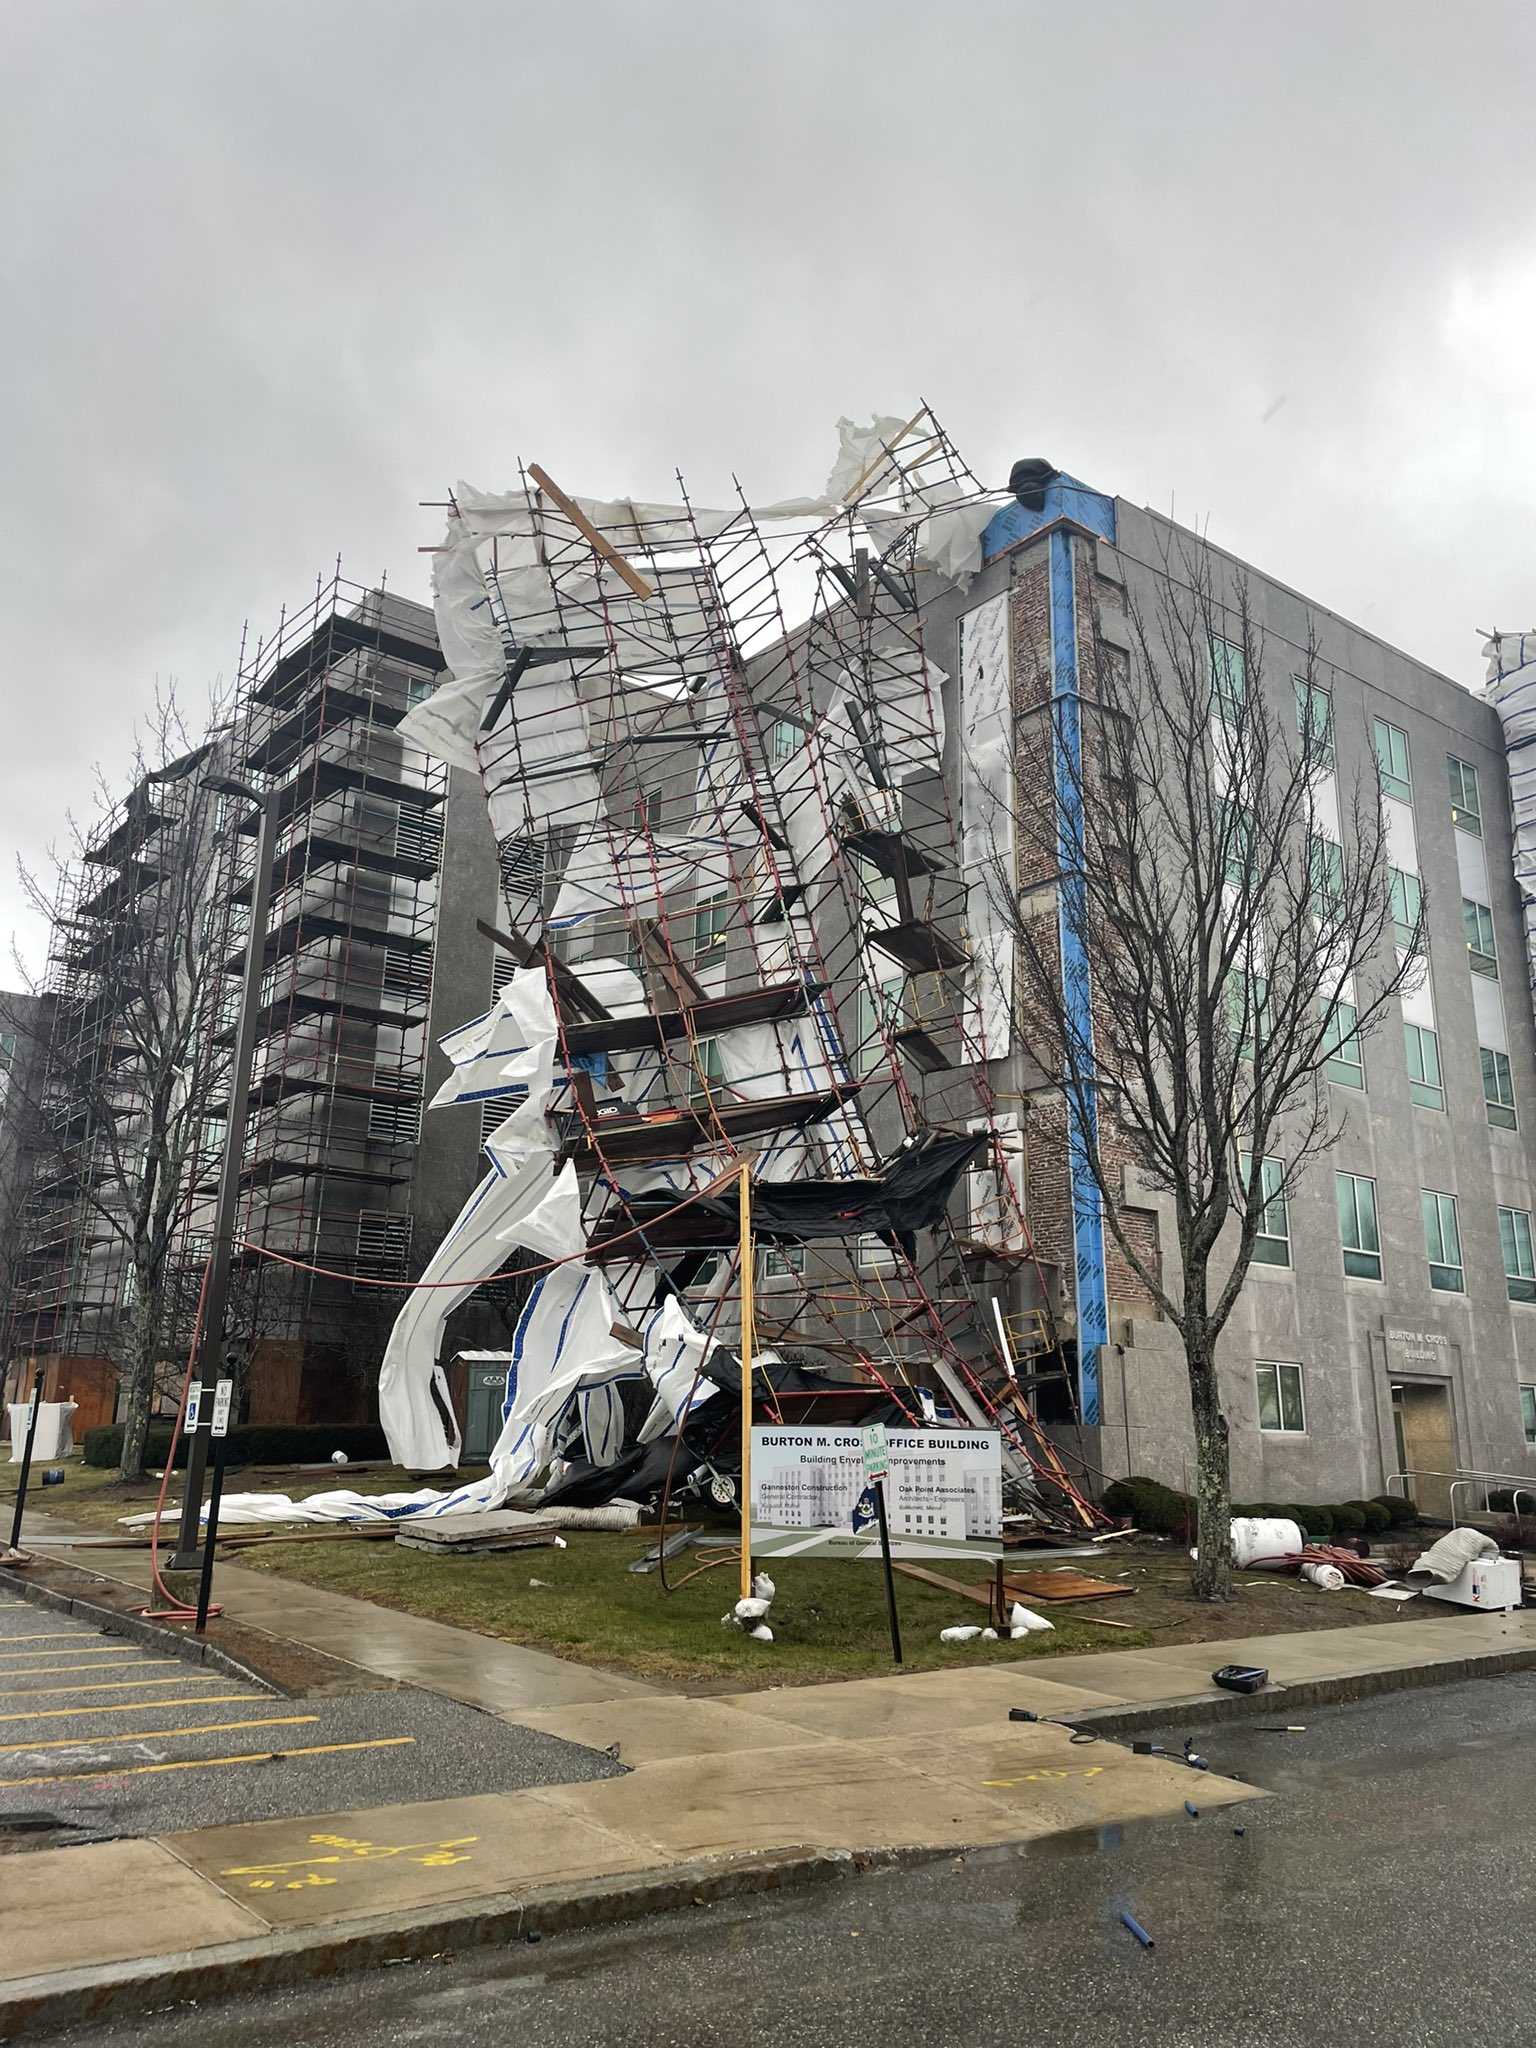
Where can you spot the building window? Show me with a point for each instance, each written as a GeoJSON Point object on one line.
{"type": "Point", "coordinates": [1358, 1233]}
{"type": "Point", "coordinates": [1314, 721]}
{"type": "Point", "coordinates": [1280, 1403]}
{"type": "Point", "coordinates": [522, 867]}
{"type": "Point", "coordinates": [785, 739]}
{"type": "Point", "coordinates": [1519, 1264]}
{"type": "Point", "coordinates": [1341, 1046]}
{"type": "Point", "coordinates": [1228, 679]}
{"type": "Point", "coordinates": [645, 813]}
{"type": "Point", "coordinates": [1392, 761]}
{"type": "Point", "coordinates": [1424, 1083]}
{"type": "Point", "coordinates": [1498, 1088]}
{"type": "Point", "coordinates": [1248, 1009]}
{"type": "Point", "coordinates": [877, 885]}
{"type": "Point", "coordinates": [418, 689]}
{"type": "Point", "coordinates": [783, 1260]}
{"type": "Point", "coordinates": [1442, 1243]}
{"type": "Point", "coordinates": [876, 1013]}
{"type": "Point", "coordinates": [873, 1255]}
{"type": "Point", "coordinates": [1466, 797]}
{"type": "Point", "coordinates": [711, 916]}
{"type": "Point", "coordinates": [383, 1245]}
{"type": "Point", "coordinates": [1272, 1245]}
{"type": "Point", "coordinates": [706, 1076]}
{"type": "Point", "coordinates": [1237, 838]}
{"type": "Point", "coordinates": [1326, 860]}
{"type": "Point", "coordinates": [1528, 1413]}
{"type": "Point", "coordinates": [1477, 923]}
{"type": "Point", "coordinates": [1405, 894]}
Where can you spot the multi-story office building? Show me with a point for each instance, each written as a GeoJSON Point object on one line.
{"type": "Point", "coordinates": [1389, 1320]}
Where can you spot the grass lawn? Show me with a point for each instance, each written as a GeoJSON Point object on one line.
{"type": "Point", "coordinates": [828, 1620]}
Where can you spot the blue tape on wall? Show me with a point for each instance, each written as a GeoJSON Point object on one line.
{"type": "Point", "coordinates": [1077, 984]}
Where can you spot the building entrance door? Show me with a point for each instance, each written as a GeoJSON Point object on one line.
{"type": "Point", "coordinates": [1426, 1436]}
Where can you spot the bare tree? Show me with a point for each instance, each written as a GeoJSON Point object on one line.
{"type": "Point", "coordinates": [122, 1091]}
{"type": "Point", "coordinates": [1203, 932]}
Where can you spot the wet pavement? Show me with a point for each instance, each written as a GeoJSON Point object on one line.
{"type": "Point", "coordinates": [1381, 1895]}
{"type": "Point", "coordinates": [101, 1738]}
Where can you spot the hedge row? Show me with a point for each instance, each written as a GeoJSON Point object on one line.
{"type": "Point", "coordinates": [248, 1443]}
{"type": "Point", "coordinates": [1167, 1512]}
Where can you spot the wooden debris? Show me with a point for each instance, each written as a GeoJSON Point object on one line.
{"type": "Point", "coordinates": [1065, 1583]}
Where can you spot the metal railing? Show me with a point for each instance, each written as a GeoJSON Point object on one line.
{"type": "Point", "coordinates": [1517, 1482]}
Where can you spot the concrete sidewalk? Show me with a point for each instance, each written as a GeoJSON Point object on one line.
{"type": "Point", "coordinates": [744, 1790]}
{"type": "Point", "coordinates": [504, 1678]}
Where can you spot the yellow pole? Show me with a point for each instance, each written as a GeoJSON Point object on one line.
{"type": "Point", "coordinates": [744, 1186]}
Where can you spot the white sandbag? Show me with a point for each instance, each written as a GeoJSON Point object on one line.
{"type": "Point", "coordinates": [1257, 1537]}
{"type": "Point", "coordinates": [967, 1634]}
{"type": "Point", "coordinates": [1023, 1621]}
{"type": "Point", "coordinates": [1327, 1576]}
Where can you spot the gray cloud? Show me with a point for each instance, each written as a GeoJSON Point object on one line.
{"type": "Point", "coordinates": [277, 271]}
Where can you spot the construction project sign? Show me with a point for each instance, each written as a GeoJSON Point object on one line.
{"type": "Point", "coordinates": [943, 1493]}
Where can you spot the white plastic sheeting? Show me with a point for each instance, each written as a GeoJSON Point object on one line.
{"type": "Point", "coordinates": [675, 1350]}
{"type": "Point", "coordinates": [522, 1201]}
{"type": "Point", "coordinates": [1512, 692]}
{"type": "Point", "coordinates": [986, 817]}
{"type": "Point", "coordinates": [566, 1365]}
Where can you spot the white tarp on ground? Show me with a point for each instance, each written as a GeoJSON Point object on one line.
{"type": "Point", "coordinates": [1512, 693]}
{"type": "Point", "coordinates": [522, 1201]}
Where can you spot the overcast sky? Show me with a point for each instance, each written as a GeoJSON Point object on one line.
{"type": "Point", "coordinates": [274, 272]}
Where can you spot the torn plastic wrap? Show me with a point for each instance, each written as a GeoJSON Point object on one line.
{"type": "Point", "coordinates": [522, 1200]}
{"type": "Point", "coordinates": [1512, 692]}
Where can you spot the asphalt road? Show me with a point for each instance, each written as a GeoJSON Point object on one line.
{"type": "Point", "coordinates": [1382, 1895]}
{"type": "Point", "coordinates": [101, 1737]}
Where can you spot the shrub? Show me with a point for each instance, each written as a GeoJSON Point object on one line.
{"type": "Point", "coordinates": [1398, 1509]}
{"type": "Point", "coordinates": [1151, 1505]}
{"type": "Point", "coordinates": [1348, 1520]}
{"type": "Point", "coordinates": [249, 1443]}
{"type": "Point", "coordinates": [1377, 1519]}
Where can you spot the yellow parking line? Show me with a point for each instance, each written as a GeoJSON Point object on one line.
{"type": "Point", "coordinates": [128, 1662]}
{"type": "Point", "coordinates": [57, 1635]}
{"type": "Point", "coordinates": [43, 1692]}
{"type": "Point", "coordinates": [214, 1699]}
{"type": "Point", "coordinates": [82, 1649]}
{"type": "Point", "coordinates": [162, 1734]}
{"type": "Point", "coordinates": [209, 1763]}
{"type": "Point", "coordinates": [59, 1670]}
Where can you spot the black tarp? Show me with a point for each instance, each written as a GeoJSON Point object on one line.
{"type": "Point", "coordinates": [910, 1193]}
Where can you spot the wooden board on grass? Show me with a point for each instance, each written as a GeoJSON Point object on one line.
{"type": "Point", "coordinates": [1063, 1584]}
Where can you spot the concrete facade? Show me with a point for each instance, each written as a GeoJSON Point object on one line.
{"type": "Point", "coordinates": [1394, 1371]}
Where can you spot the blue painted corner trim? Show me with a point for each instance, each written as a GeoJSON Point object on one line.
{"type": "Point", "coordinates": [1092, 1292]}
{"type": "Point", "coordinates": [1066, 498]}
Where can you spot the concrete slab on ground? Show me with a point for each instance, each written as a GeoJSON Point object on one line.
{"type": "Point", "coordinates": [337, 1866]}
{"type": "Point", "coordinates": [108, 1904]}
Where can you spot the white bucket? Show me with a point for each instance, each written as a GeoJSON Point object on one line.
{"type": "Point", "coordinates": [1257, 1537]}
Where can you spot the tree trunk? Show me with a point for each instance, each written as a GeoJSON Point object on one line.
{"type": "Point", "coordinates": [139, 1382]}
{"type": "Point", "coordinates": [1212, 1576]}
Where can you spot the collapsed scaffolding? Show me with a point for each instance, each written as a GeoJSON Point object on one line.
{"type": "Point", "coordinates": [739, 930]}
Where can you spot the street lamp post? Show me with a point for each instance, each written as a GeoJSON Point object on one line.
{"type": "Point", "coordinates": [210, 1350]}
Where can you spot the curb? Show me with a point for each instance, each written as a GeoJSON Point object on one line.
{"type": "Point", "coordinates": [1201, 1708]}
{"type": "Point", "coordinates": [72, 1998]}
{"type": "Point", "coordinates": [190, 1649]}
